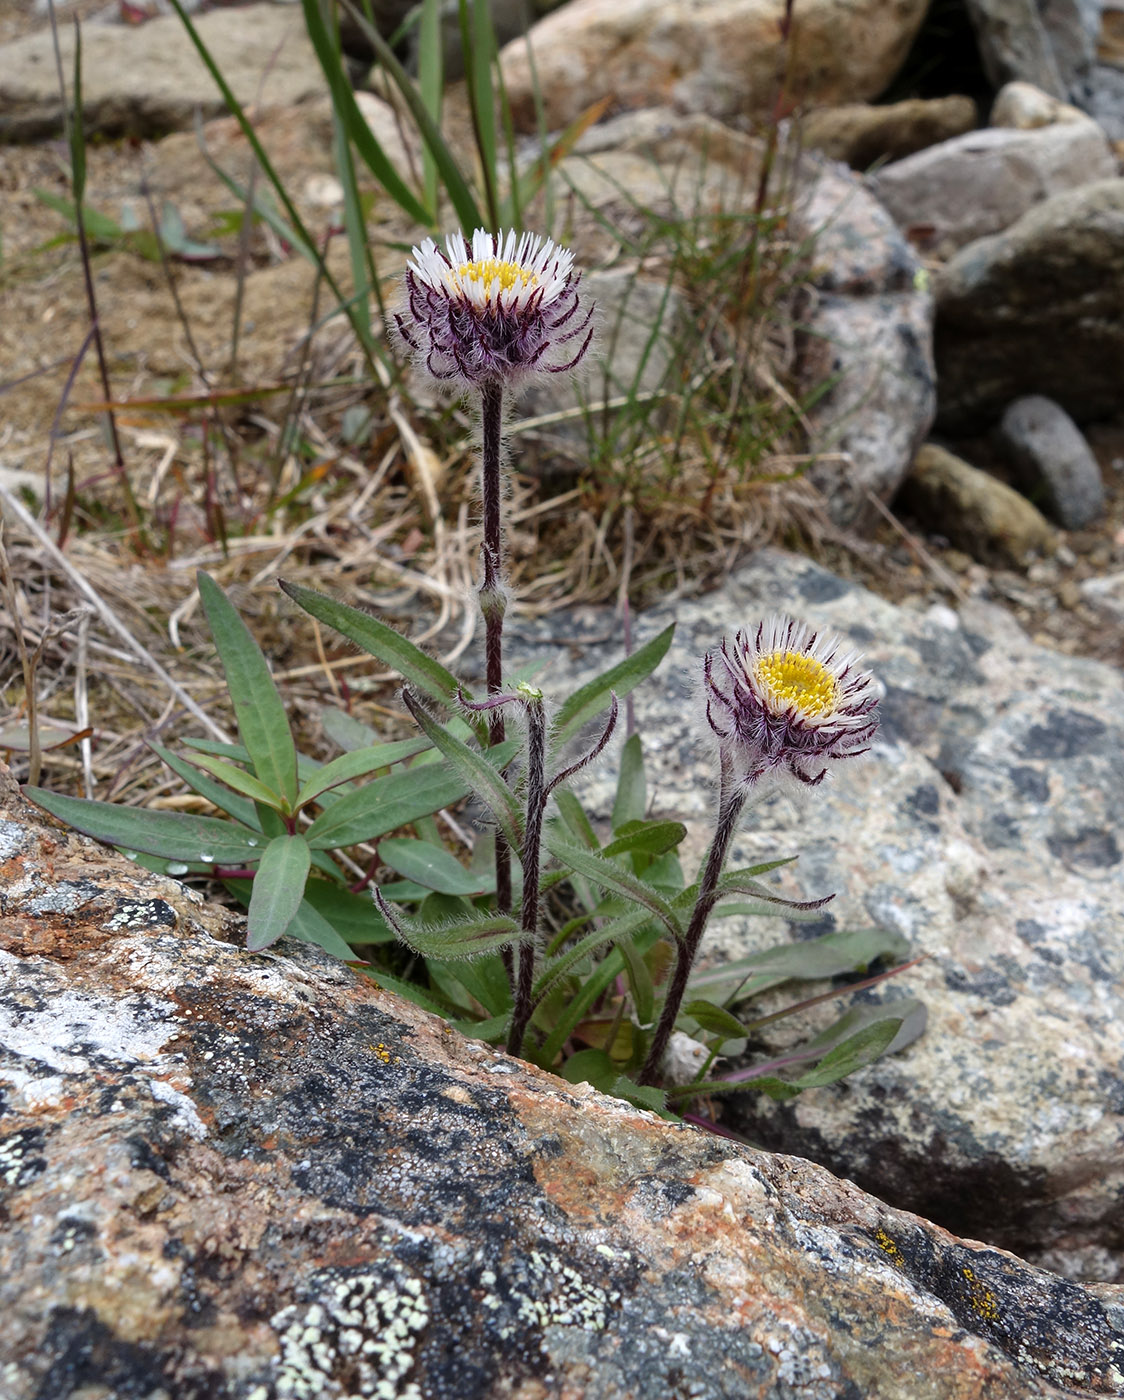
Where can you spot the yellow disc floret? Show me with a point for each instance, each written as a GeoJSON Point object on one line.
{"type": "Point", "coordinates": [793, 678]}
{"type": "Point", "coordinates": [484, 271]}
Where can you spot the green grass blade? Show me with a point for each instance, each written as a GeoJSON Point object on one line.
{"type": "Point", "coordinates": [619, 680]}
{"type": "Point", "coordinates": [431, 86]}
{"type": "Point", "coordinates": [456, 187]}
{"type": "Point", "coordinates": [346, 110]}
{"type": "Point", "coordinates": [278, 890]}
{"type": "Point", "coordinates": [479, 41]}
{"type": "Point", "coordinates": [262, 722]}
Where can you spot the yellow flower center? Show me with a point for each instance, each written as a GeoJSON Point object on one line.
{"type": "Point", "coordinates": [793, 678]}
{"type": "Point", "coordinates": [485, 270]}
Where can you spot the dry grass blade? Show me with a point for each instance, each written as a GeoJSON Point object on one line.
{"type": "Point", "coordinates": [15, 511]}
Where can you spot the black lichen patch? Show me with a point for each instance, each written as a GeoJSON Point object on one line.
{"type": "Point", "coordinates": [1030, 784]}
{"type": "Point", "coordinates": [139, 915]}
{"type": "Point", "coordinates": [818, 586]}
{"type": "Point", "coordinates": [1065, 734]}
{"type": "Point", "coordinates": [906, 716]}
{"type": "Point", "coordinates": [21, 1157]}
{"type": "Point", "coordinates": [1046, 1325]}
{"type": "Point", "coordinates": [79, 1351]}
{"type": "Point", "coordinates": [989, 983]}
{"type": "Point", "coordinates": [1090, 846]}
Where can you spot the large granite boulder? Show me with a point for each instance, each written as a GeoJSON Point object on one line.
{"type": "Point", "coordinates": [229, 1176]}
{"type": "Point", "coordinates": [722, 57]}
{"type": "Point", "coordinates": [1051, 43]}
{"type": "Point", "coordinates": [986, 827]}
{"type": "Point", "coordinates": [147, 79]}
{"type": "Point", "coordinates": [1036, 310]}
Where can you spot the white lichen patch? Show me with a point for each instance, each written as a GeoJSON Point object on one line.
{"type": "Point", "coordinates": [562, 1297]}
{"type": "Point", "coordinates": [187, 1115]}
{"type": "Point", "coordinates": [73, 1027]}
{"type": "Point", "coordinates": [355, 1339]}
{"type": "Point", "coordinates": [13, 839]}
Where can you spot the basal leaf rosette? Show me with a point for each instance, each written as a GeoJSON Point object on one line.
{"type": "Point", "coordinates": [495, 312]}
{"type": "Point", "coordinates": [787, 702]}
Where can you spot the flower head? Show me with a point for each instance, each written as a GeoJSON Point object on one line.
{"type": "Point", "coordinates": [496, 312]}
{"type": "Point", "coordinates": [787, 701]}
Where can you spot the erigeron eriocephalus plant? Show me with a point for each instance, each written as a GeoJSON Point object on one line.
{"type": "Point", "coordinates": [578, 951]}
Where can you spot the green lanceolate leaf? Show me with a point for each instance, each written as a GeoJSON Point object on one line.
{"type": "Point", "coordinates": [467, 938]}
{"type": "Point", "coordinates": [631, 799]}
{"type": "Point", "coordinates": [278, 890]}
{"type": "Point", "coordinates": [573, 814]}
{"type": "Point", "coordinates": [639, 980]}
{"type": "Point", "coordinates": [714, 1019]}
{"type": "Point", "coordinates": [619, 680]}
{"type": "Point", "coordinates": [847, 950]}
{"type": "Point", "coordinates": [378, 640]}
{"type": "Point", "coordinates": [347, 731]}
{"type": "Point", "coordinates": [434, 868]}
{"type": "Point", "coordinates": [191, 840]}
{"type": "Point", "coordinates": [239, 780]}
{"type": "Point", "coordinates": [611, 876]}
{"type": "Point", "coordinates": [237, 807]}
{"type": "Point", "coordinates": [262, 721]}
{"type": "Point", "coordinates": [310, 926]}
{"type": "Point", "coordinates": [621, 928]}
{"type": "Point", "coordinates": [639, 1095]}
{"type": "Point", "coordinates": [477, 770]}
{"type": "Point", "coordinates": [382, 806]}
{"type": "Point", "coordinates": [359, 764]}
{"type": "Point", "coordinates": [353, 916]}
{"type": "Point", "coordinates": [591, 1067]}
{"type": "Point", "coordinates": [653, 838]}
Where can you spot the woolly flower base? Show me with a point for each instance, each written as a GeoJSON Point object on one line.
{"type": "Point", "coordinates": [787, 701]}
{"type": "Point", "coordinates": [494, 313]}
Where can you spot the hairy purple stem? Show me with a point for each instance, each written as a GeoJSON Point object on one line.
{"type": "Point", "coordinates": [730, 804]}
{"type": "Point", "coordinates": [492, 601]}
{"type": "Point", "coordinates": [532, 845]}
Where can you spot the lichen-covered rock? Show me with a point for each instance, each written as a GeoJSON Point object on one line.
{"type": "Point", "coordinates": [228, 1176]}
{"type": "Point", "coordinates": [986, 827]}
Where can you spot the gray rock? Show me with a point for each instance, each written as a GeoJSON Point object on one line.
{"type": "Point", "coordinates": [1106, 594]}
{"type": "Point", "coordinates": [1036, 310]}
{"type": "Point", "coordinates": [869, 331]}
{"type": "Point", "coordinates": [1054, 463]}
{"type": "Point", "coordinates": [868, 325]}
{"type": "Point", "coordinates": [860, 134]}
{"type": "Point", "coordinates": [982, 182]}
{"type": "Point", "coordinates": [974, 510]}
{"type": "Point", "coordinates": [1050, 43]}
{"type": "Point", "coordinates": [1023, 106]}
{"type": "Point", "coordinates": [147, 79]}
{"type": "Point", "coordinates": [986, 827]}
{"type": "Point", "coordinates": [260, 1177]}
